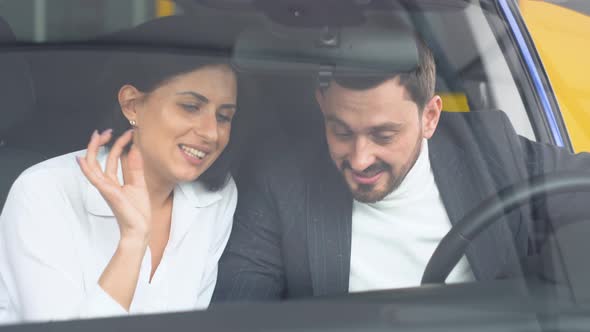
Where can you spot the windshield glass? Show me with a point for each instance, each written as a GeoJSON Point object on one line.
{"type": "Point", "coordinates": [165, 156]}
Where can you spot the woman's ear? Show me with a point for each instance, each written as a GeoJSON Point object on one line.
{"type": "Point", "coordinates": [128, 98]}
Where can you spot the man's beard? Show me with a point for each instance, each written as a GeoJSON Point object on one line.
{"type": "Point", "coordinates": [366, 193]}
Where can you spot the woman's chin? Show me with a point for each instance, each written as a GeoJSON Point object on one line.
{"type": "Point", "coordinates": [187, 172]}
{"type": "Point", "coordinates": [188, 176]}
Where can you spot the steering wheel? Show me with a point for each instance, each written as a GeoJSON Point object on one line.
{"type": "Point", "coordinates": [452, 247]}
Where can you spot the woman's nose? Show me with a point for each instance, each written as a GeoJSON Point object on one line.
{"type": "Point", "coordinates": [206, 126]}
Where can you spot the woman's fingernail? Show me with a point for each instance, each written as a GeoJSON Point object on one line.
{"type": "Point", "coordinates": [107, 131]}
{"type": "Point", "coordinates": [94, 133]}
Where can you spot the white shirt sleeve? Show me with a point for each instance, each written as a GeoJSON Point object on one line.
{"type": "Point", "coordinates": [40, 260]}
{"type": "Point", "coordinates": [224, 227]}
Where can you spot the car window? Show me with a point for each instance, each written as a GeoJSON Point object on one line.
{"type": "Point", "coordinates": [282, 77]}
{"type": "Point", "coordinates": [77, 20]}
{"type": "Point", "coordinates": [569, 20]}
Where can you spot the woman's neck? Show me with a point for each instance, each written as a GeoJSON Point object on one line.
{"type": "Point", "coordinates": [159, 189]}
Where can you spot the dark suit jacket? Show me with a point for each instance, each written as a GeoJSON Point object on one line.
{"type": "Point", "coordinates": [292, 231]}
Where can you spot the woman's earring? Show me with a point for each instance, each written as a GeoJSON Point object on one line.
{"type": "Point", "coordinates": [132, 123]}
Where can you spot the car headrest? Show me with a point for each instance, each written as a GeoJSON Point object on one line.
{"type": "Point", "coordinates": [348, 50]}
{"type": "Point", "coordinates": [16, 86]}
{"type": "Point", "coordinates": [6, 34]}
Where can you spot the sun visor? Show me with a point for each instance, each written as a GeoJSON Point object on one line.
{"type": "Point", "coordinates": [356, 51]}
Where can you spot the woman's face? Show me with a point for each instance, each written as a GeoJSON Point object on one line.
{"type": "Point", "coordinates": [183, 126]}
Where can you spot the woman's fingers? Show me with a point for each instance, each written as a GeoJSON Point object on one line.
{"type": "Point", "coordinates": [90, 165]}
{"type": "Point", "coordinates": [133, 170]}
{"type": "Point", "coordinates": [107, 181]}
{"type": "Point", "coordinates": [109, 190]}
{"type": "Point", "coordinates": [91, 174]}
{"type": "Point", "coordinates": [96, 141]}
{"type": "Point", "coordinates": [92, 148]}
{"type": "Point", "coordinates": [115, 154]}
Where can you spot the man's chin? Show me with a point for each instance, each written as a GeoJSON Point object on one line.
{"type": "Point", "coordinates": [372, 196]}
{"type": "Point", "coordinates": [373, 193]}
{"type": "Point", "coordinates": [368, 193]}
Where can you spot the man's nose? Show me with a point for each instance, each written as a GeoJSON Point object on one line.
{"type": "Point", "coordinates": [206, 126]}
{"type": "Point", "coordinates": [362, 156]}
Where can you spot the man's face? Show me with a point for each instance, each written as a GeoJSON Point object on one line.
{"type": "Point", "coordinates": [375, 135]}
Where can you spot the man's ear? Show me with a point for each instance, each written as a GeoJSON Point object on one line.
{"type": "Point", "coordinates": [430, 116]}
{"type": "Point", "coordinates": [128, 98]}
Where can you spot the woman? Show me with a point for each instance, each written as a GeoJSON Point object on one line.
{"type": "Point", "coordinates": [136, 225]}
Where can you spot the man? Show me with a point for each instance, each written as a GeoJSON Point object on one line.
{"type": "Point", "coordinates": [366, 210]}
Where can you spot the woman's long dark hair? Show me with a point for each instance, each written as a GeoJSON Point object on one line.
{"type": "Point", "coordinates": [147, 71]}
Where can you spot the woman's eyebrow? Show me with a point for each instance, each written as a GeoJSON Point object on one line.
{"type": "Point", "coordinates": [205, 100]}
{"type": "Point", "coordinates": [228, 106]}
{"type": "Point", "coordinates": [196, 95]}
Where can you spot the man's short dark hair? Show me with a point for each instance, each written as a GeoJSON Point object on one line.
{"type": "Point", "coordinates": [419, 82]}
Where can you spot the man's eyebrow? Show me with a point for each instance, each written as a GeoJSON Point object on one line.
{"type": "Point", "coordinates": [196, 95]}
{"type": "Point", "coordinates": [332, 118]}
{"type": "Point", "coordinates": [389, 126]}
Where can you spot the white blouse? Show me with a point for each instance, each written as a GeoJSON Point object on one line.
{"type": "Point", "coordinates": [57, 234]}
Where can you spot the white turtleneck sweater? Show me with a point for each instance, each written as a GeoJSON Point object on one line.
{"type": "Point", "coordinates": [393, 239]}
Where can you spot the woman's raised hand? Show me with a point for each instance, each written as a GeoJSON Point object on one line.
{"type": "Point", "coordinates": [129, 201]}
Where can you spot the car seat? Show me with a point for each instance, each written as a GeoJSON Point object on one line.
{"type": "Point", "coordinates": [17, 102]}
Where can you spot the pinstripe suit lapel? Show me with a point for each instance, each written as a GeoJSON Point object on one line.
{"type": "Point", "coordinates": [329, 224]}
{"type": "Point", "coordinates": [465, 177]}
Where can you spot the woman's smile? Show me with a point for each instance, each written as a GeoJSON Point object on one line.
{"type": "Point", "coordinates": [193, 155]}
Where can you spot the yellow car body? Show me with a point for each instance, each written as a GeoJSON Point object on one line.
{"type": "Point", "coordinates": [561, 34]}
